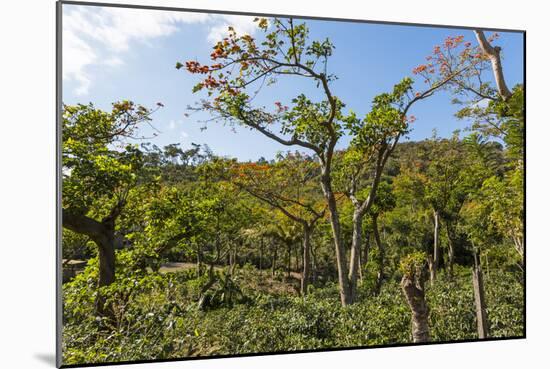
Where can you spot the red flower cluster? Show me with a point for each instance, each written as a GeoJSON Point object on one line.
{"type": "Point", "coordinates": [452, 42]}
{"type": "Point", "coordinates": [195, 67]}
{"type": "Point", "coordinates": [424, 68]}
{"type": "Point", "coordinates": [210, 82]}
{"type": "Point", "coordinates": [280, 107]}
{"type": "Point", "coordinates": [421, 68]}
{"type": "Point", "coordinates": [218, 52]}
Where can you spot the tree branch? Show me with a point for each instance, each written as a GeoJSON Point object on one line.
{"type": "Point", "coordinates": [494, 55]}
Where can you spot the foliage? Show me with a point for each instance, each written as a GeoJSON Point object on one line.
{"type": "Point", "coordinates": [210, 250]}
{"type": "Point", "coordinates": [161, 318]}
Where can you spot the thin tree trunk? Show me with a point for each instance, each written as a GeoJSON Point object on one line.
{"type": "Point", "coordinates": [431, 268]}
{"type": "Point", "coordinates": [289, 247]}
{"type": "Point", "coordinates": [261, 253]}
{"type": "Point", "coordinates": [360, 269]}
{"type": "Point", "coordinates": [479, 295]}
{"type": "Point", "coordinates": [450, 235]}
{"type": "Point", "coordinates": [306, 261]}
{"type": "Point", "coordinates": [199, 259]}
{"type": "Point", "coordinates": [298, 258]}
{"type": "Point", "coordinates": [518, 243]}
{"type": "Point", "coordinates": [355, 251]}
{"type": "Point", "coordinates": [366, 250]}
{"type": "Point", "coordinates": [273, 260]}
{"type": "Point", "coordinates": [314, 265]}
{"type": "Point", "coordinates": [435, 264]}
{"type": "Point", "coordinates": [381, 255]}
{"type": "Point", "coordinates": [413, 289]}
{"type": "Point", "coordinates": [343, 282]}
{"type": "Point", "coordinates": [218, 238]}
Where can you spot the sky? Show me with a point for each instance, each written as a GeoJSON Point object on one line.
{"type": "Point", "coordinates": [113, 54]}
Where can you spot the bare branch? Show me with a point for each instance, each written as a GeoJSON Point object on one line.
{"type": "Point", "coordinates": [493, 53]}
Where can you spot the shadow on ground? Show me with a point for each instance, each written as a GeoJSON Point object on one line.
{"type": "Point", "coordinates": [46, 358]}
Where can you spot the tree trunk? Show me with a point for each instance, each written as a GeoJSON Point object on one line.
{"type": "Point", "coordinates": [343, 282]}
{"type": "Point", "coordinates": [366, 249]}
{"type": "Point", "coordinates": [435, 264]}
{"type": "Point", "coordinates": [306, 261]}
{"type": "Point", "coordinates": [199, 259]}
{"type": "Point", "coordinates": [381, 255]}
{"type": "Point", "coordinates": [261, 253]}
{"type": "Point", "coordinates": [413, 289]}
{"type": "Point", "coordinates": [106, 260]}
{"type": "Point", "coordinates": [218, 240]}
{"type": "Point", "coordinates": [355, 250]}
{"type": "Point", "coordinates": [273, 260]}
{"type": "Point", "coordinates": [494, 55]}
{"type": "Point", "coordinates": [518, 244]}
{"type": "Point", "coordinates": [103, 235]}
{"type": "Point", "coordinates": [360, 269]}
{"type": "Point", "coordinates": [479, 295]}
{"type": "Point", "coordinates": [450, 235]}
{"type": "Point", "coordinates": [431, 269]}
{"type": "Point", "coordinates": [314, 266]}
{"type": "Point", "coordinates": [298, 258]}
{"type": "Point", "coordinates": [289, 266]}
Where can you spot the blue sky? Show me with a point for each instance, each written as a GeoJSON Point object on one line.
{"type": "Point", "coordinates": [112, 54]}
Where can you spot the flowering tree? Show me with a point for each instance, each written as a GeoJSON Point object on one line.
{"type": "Point", "coordinates": [290, 186]}
{"type": "Point", "coordinates": [241, 66]}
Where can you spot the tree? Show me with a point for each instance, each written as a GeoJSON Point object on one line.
{"type": "Point", "coordinates": [413, 267]}
{"type": "Point", "coordinates": [241, 64]}
{"type": "Point", "coordinates": [290, 186]}
{"type": "Point", "coordinates": [99, 170]}
{"type": "Point", "coordinates": [385, 201]}
{"type": "Point", "coordinates": [501, 116]}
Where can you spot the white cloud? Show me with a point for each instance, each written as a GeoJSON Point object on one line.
{"type": "Point", "coordinates": [173, 124]}
{"type": "Point", "coordinates": [483, 103]}
{"type": "Point", "coordinates": [115, 61]}
{"type": "Point", "coordinates": [77, 54]}
{"type": "Point", "coordinates": [183, 136]}
{"type": "Point", "coordinates": [241, 24]}
{"type": "Point", "coordinates": [103, 35]}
